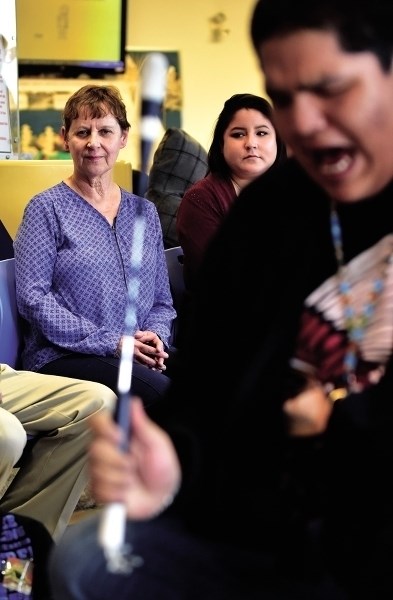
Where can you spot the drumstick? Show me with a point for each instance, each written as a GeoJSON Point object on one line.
{"type": "Point", "coordinates": [153, 86]}
{"type": "Point", "coordinates": [114, 518]}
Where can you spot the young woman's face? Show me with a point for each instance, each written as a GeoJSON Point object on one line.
{"type": "Point", "coordinates": [94, 144]}
{"type": "Point", "coordinates": [250, 145]}
{"type": "Point", "coordinates": [334, 110]}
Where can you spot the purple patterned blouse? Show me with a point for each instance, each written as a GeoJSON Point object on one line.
{"type": "Point", "coordinates": [72, 269]}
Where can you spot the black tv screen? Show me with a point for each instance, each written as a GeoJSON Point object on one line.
{"type": "Point", "coordinates": [71, 38]}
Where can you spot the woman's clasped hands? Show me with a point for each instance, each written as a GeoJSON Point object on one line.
{"type": "Point", "coordinates": [149, 350]}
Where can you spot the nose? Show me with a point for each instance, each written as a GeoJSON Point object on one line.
{"type": "Point", "coordinates": [251, 142]}
{"type": "Point", "coordinates": [306, 116]}
{"type": "Point", "coordinates": [92, 141]}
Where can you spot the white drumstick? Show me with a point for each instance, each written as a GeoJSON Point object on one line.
{"type": "Point", "coordinates": [113, 520]}
{"type": "Point", "coordinates": [153, 87]}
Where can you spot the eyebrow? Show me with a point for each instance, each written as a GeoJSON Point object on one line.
{"type": "Point", "coordinates": [323, 82]}
{"type": "Point", "coordinates": [239, 127]}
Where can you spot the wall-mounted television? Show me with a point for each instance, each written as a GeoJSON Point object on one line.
{"type": "Point", "coordinates": [71, 38]}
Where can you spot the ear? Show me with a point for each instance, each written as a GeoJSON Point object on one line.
{"type": "Point", "coordinates": [124, 138]}
{"type": "Point", "coordinates": [63, 135]}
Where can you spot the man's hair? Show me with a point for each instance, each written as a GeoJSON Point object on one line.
{"type": "Point", "coordinates": [360, 25]}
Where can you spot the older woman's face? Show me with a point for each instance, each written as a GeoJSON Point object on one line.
{"type": "Point", "coordinates": [95, 143]}
{"type": "Point", "coordinates": [250, 145]}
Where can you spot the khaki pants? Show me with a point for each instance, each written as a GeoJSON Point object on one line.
{"type": "Point", "coordinates": [12, 442]}
{"type": "Point", "coordinates": [53, 476]}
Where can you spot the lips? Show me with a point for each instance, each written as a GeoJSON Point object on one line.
{"type": "Point", "coordinates": [338, 167]}
{"type": "Point", "coordinates": [333, 161]}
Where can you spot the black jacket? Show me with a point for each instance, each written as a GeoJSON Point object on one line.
{"type": "Point", "coordinates": [245, 481]}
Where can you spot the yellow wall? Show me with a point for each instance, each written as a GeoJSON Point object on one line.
{"type": "Point", "coordinates": [211, 71]}
{"type": "Point", "coordinates": [20, 180]}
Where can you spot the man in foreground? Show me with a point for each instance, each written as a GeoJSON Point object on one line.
{"type": "Point", "coordinates": [279, 458]}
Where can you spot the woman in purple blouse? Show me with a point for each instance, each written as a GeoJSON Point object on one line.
{"type": "Point", "coordinates": [73, 260]}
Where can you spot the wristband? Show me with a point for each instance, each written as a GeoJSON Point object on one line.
{"type": "Point", "coordinates": [337, 394]}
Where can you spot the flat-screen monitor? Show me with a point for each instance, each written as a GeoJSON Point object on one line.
{"type": "Point", "coordinates": [71, 38]}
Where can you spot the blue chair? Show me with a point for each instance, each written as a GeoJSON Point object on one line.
{"type": "Point", "coordinates": [6, 243]}
{"type": "Point", "coordinates": [11, 339]}
{"type": "Point", "coordinates": [174, 261]}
